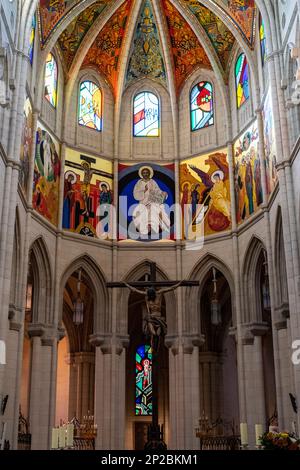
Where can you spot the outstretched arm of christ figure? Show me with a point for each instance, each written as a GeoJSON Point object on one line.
{"type": "Point", "coordinates": [133, 289]}
{"type": "Point", "coordinates": [169, 289]}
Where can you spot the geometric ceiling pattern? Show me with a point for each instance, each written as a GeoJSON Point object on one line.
{"type": "Point", "coordinates": [188, 53]}
{"type": "Point", "coordinates": [106, 49]}
{"type": "Point", "coordinates": [144, 55]}
{"type": "Point", "coordinates": [70, 40]}
{"type": "Point", "coordinates": [220, 36]}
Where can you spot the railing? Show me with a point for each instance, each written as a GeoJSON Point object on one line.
{"type": "Point", "coordinates": [220, 443]}
{"type": "Point", "coordinates": [24, 436]}
{"type": "Point", "coordinates": [82, 443]}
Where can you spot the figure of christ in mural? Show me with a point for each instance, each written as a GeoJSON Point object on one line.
{"type": "Point", "coordinates": [105, 201]}
{"type": "Point", "coordinates": [86, 187]}
{"type": "Point", "coordinates": [154, 325]}
{"type": "Point", "coordinates": [214, 200]}
{"type": "Point", "coordinates": [150, 213]}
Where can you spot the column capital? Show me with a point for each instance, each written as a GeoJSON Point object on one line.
{"type": "Point", "coordinates": [49, 334]}
{"type": "Point", "coordinates": [109, 343]}
{"type": "Point", "coordinates": [282, 314]}
{"type": "Point", "coordinates": [190, 341]}
{"type": "Point", "coordinates": [251, 330]}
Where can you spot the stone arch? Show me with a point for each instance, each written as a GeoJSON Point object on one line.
{"type": "Point", "coordinates": [42, 282]}
{"type": "Point", "coordinates": [251, 281]}
{"type": "Point", "coordinates": [98, 287]}
{"type": "Point", "coordinates": [192, 319]}
{"type": "Point", "coordinates": [134, 274]}
{"type": "Point", "coordinates": [15, 284]}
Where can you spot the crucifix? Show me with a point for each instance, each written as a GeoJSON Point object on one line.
{"type": "Point", "coordinates": [155, 328]}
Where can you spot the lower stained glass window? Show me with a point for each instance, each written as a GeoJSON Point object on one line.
{"type": "Point", "coordinates": [146, 115]}
{"type": "Point", "coordinates": [143, 381]}
{"type": "Point", "coordinates": [202, 106]}
{"type": "Point", "coordinates": [90, 106]}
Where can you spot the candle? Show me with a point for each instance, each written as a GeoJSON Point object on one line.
{"type": "Point", "coordinates": [70, 435]}
{"type": "Point", "coordinates": [55, 434]}
{"type": "Point", "coordinates": [62, 436]}
{"type": "Point", "coordinates": [244, 434]}
{"type": "Point", "coordinates": [258, 434]}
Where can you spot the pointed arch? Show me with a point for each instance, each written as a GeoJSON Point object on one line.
{"type": "Point", "coordinates": [15, 284]}
{"type": "Point", "coordinates": [98, 287]}
{"type": "Point", "coordinates": [135, 274]}
{"type": "Point", "coordinates": [192, 319]}
{"type": "Point", "coordinates": [39, 259]}
{"type": "Point", "coordinates": [252, 265]}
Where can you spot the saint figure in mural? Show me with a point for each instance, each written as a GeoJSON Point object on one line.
{"type": "Point", "coordinates": [150, 214]}
{"type": "Point", "coordinates": [105, 201]}
{"type": "Point", "coordinates": [69, 198]}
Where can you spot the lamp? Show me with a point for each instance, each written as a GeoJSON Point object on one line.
{"type": "Point", "coordinates": [78, 304]}
{"type": "Point", "coordinates": [216, 318]}
{"type": "Point", "coordinates": [29, 297]}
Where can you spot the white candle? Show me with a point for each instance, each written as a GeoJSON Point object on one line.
{"type": "Point", "coordinates": [244, 434]}
{"type": "Point", "coordinates": [70, 435]}
{"type": "Point", "coordinates": [62, 437]}
{"type": "Point", "coordinates": [55, 433]}
{"type": "Point", "coordinates": [258, 433]}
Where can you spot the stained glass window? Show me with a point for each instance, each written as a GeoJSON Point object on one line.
{"type": "Point", "coordinates": [242, 80]}
{"type": "Point", "coordinates": [51, 80]}
{"type": "Point", "coordinates": [143, 381]}
{"type": "Point", "coordinates": [263, 40]}
{"type": "Point", "coordinates": [146, 115]}
{"type": "Point", "coordinates": [90, 106]}
{"type": "Point", "coordinates": [31, 40]}
{"type": "Point", "coordinates": [202, 106]}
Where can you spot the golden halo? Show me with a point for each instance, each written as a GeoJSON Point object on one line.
{"type": "Point", "coordinates": [219, 173]}
{"type": "Point", "coordinates": [68, 173]}
{"type": "Point", "coordinates": [146, 168]}
{"type": "Point", "coordinates": [104, 183]}
{"type": "Point", "coordinates": [186, 183]}
{"type": "Point", "coordinates": [84, 163]}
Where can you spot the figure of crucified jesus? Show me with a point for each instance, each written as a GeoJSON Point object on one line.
{"type": "Point", "coordinates": [155, 325]}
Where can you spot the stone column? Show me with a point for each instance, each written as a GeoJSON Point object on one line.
{"type": "Point", "coordinates": [110, 390]}
{"type": "Point", "coordinates": [44, 353]}
{"type": "Point", "coordinates": [254, 378]}
{"type": "Point", "coordinates": [81, 401]}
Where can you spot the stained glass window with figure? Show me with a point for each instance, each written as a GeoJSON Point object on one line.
{"type": "Point", "coordinates": [90, 106]}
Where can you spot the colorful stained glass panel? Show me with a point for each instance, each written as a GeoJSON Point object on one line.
{"type": "Point", "coordinates": [263, 41]}
{"type": "Point", "coordinates": [143, 381]}
{"type": "Point", "coordinates": [31, 40]}
{"type": "Point", "coordinates": [90, 106]}
{"type": "Point", "coordinates": [202, 106]}
{"type": "Point", "coordinates": [242, 80]}
{"type": "Point", "coordinates": [51, 80]}
{"type": "Point", "coordinates": [146, 115]}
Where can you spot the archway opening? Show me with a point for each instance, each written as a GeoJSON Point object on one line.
{"type": "Point", "coordinates": [138, 377]}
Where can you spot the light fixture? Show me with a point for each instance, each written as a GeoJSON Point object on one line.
{"type": "Point", "coordinates": [78, 304]}
{"type": "Point", "coordinates": [216, 318]}
{"type": "Point", "coordinates": [29, 298]}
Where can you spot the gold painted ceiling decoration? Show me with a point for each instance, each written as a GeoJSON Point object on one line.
{"type": "Point", "coordinates": [187, 52]}
{"type": "Point", "coordinates": [70, 40]}
{"type": "Point", "coordinates": [106, 50]}
{"type": "Point", "coordinates": [146, 58]}
{"type": "Point", "coordinates": [220, 36]}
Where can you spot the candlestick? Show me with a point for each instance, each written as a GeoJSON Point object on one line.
{"type": "Point", "coordinates": [62, 437]}
{"type": "Point", "coordinates": [244, 434]}
{"type": "Point", "coordinates": [70, 435]}
{"type": "Point", "coordinates": [258, 434]}
{"type": "Point", "coordinates": [55, 436]}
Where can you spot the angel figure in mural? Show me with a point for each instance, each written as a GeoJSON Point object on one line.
{"type": "Point", "coordinates": [150, 212]}
{"type": "Point", "coordinates": [155, 326]}
{"type": "Point", "coordinates": [215, 198]}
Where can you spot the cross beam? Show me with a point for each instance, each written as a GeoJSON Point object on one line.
{"type": "Point", "coordinates": [150, 283]}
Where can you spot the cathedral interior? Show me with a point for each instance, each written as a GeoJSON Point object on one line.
{"type": "Point", "coordinates": [149, 146]}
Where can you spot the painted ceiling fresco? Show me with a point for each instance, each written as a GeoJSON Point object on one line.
{"type": "Point", "coordinates": [70, 40]}
{"type": "Point", "coordinates": [222, 39]}
{"type": "Point", "coordinates": [51, 13]}
{"type": "Point", "coordinates": [187, 51]}
{"type": "Point", "coordinates": [146, 58]}
{"type": "Point", "coordinates": [243, 13]}
{"type": "Point", "coordinates": [105, 52]}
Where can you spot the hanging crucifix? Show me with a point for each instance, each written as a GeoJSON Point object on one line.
{"type": "Point", "coordinates": [155, 328]}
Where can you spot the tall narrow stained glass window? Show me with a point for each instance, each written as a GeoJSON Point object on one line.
{"type": "Point", "coordinates": [146, 115]}
{"type": "Point", "coordinates": [202, 106]}
{"type": "Point", "coordinates": [242, 80]}
{"type": "Point", "coordinates": [51, 74]}
{"type": "Point", "coordinates": [90, 106]}
{"type": "Point", "coordinates": [263, 40]}
{"type": "Point", "coordinates": [31, 40]}
{"type": "Point", "coordinates": [143, 381]}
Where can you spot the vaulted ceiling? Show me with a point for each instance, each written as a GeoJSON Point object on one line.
{"type": "Point", "coordinates": [151, 37]}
